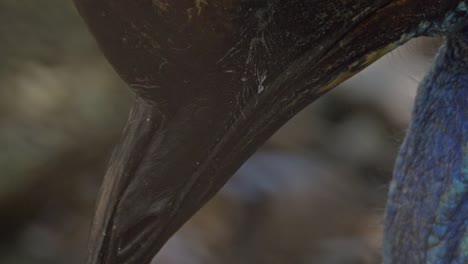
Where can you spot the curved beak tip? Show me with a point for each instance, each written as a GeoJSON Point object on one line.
{"type": "Point", "coordinates": [214, 81]}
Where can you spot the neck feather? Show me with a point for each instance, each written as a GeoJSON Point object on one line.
{"type": "Point", "coordinates": [427, 211]}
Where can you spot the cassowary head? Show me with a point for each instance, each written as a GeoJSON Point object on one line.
{"type": "Point", "coordinates": [214, 80]}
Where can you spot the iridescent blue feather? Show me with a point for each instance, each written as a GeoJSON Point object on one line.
{"type": "Point", "coordinates": [427, 212]}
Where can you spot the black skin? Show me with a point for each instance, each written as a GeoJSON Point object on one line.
{"type": "Point", "coordinates": [214, 80]}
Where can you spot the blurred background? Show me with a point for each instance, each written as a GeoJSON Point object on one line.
{"type": "Point", "coordinates": [315, 193]}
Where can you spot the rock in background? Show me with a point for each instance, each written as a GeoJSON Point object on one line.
{"type": "Point", "coordinates": [314, 194]}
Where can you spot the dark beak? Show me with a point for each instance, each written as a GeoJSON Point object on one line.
{"type": "Point", "coordinates": [214, 80]}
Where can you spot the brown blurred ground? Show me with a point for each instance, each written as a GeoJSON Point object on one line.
{"type": "Point", "coordinates": [314, 194]}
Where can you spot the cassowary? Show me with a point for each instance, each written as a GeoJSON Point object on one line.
{"type": "Point", "coordinates": [214, 79]}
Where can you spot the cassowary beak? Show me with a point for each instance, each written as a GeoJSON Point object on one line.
{"type": "Point", "coordinates": [214, 80]}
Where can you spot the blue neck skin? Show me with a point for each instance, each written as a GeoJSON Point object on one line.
{"type": "Point", "coordinates": [427, 212]}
